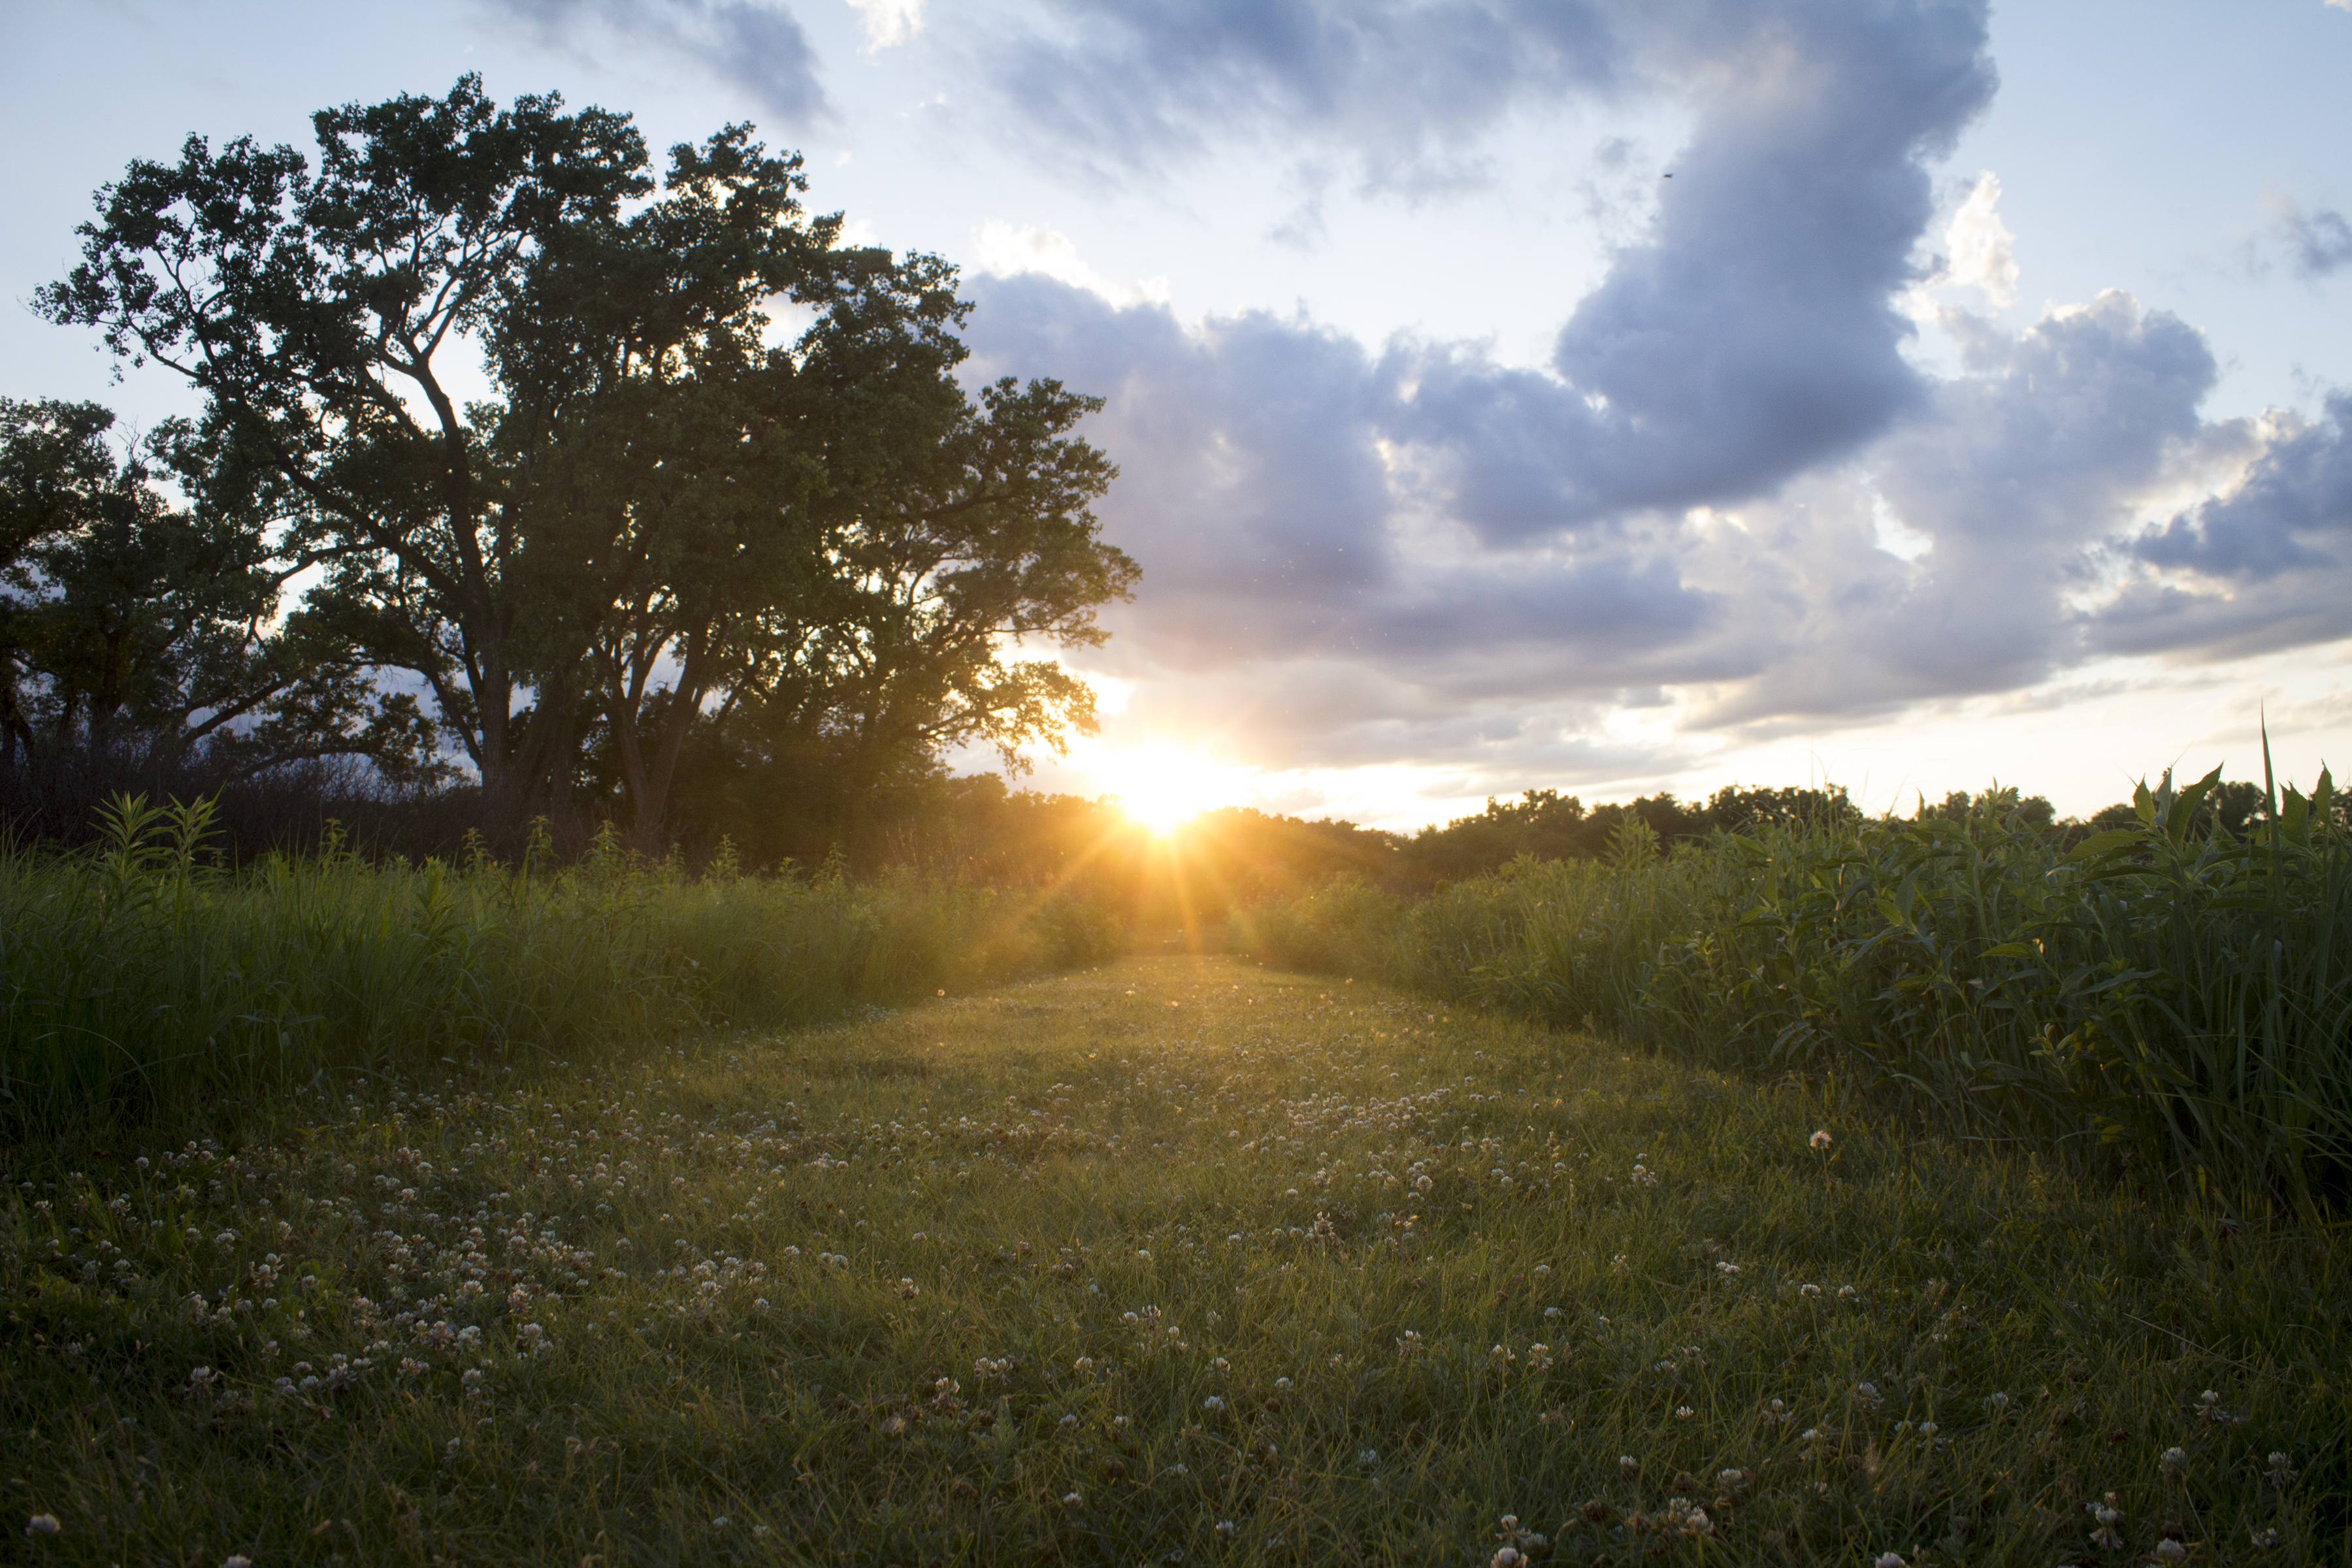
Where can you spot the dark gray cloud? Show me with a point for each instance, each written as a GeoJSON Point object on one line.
{"type": "Point", "coordinates": [1132, 84]}
{"type": "Point", "coordinates": [2293, 512]}
{"type": "Point", "coordinates": [2267, 565]}
{"type": "Point", "coordinates": [1748, 336]}
{"type": "Point", "coordinates": [757, 49]}
{"type": "Point", "coordinates": [2317, 243]}
{"type": "Point", "coordinates": [2016, 474]}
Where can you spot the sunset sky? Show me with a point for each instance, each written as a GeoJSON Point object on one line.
{"type": "Point", "coordinates": [1601, 396]}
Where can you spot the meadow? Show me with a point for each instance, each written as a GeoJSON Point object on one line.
{"type": "Point", "coordinates": [2159, 1002]}
{"type": "Point", "coordinates": [144, 982]}
{"type": "Point", "coordinates": [1171, 1260]}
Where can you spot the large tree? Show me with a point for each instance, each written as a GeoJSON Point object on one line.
{"type": "Point", "coordinates": [662, 516]}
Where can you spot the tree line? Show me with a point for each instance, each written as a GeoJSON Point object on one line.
{"type": "Point", "coordinates": [527, 474]}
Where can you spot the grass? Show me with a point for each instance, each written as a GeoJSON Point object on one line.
{"type": "Point", "coordinates": [1172, 1256]}
{"type": "Point", "coordinates": [2159, 1000]}
{"type": "Point", "coordinates": [142, 982]}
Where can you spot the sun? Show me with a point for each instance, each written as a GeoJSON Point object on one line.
{"type": "Point", "coordinates": [1163, 786]}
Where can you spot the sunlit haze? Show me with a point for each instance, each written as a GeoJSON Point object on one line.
{"type": "Point", "coordinates": [1595, 396]}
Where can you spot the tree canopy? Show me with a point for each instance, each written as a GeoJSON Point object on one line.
{"type": "Point", "coordinates": [669, 530]}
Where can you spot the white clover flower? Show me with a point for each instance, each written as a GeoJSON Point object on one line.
{"type": "Point", "coordinates": [2282, 1472]}
{"type": "Point", "coordinates": [1214, 1402]}
{"type": "Point", "coordinates": [2170, 1551]}
{"type": "Point", "coordinates": [2173, 1462]}
{"type": "Point", "coordinates": [43, 1524]}
{"type": "Point", "coordinates": [1822, 1140]}
{"type": "Point", "coordinates": [1886, 1559]}
{"type": "Point", "coordinates": [1684, 1413]}
{"type": "Point", "coordinates": [2107, 1516]}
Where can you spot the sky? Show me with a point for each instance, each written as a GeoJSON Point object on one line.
{"type": "Point", "coordinates": [1600, 396]}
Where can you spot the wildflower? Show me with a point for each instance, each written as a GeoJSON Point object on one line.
{"type": "Point", "coordinates": [2282, 1473]}
{"type": "Point", "coordinates": [1618, 1264]}
{"type": "Point", "coordinates": [1866, 1394]}
{"type": "Point", "coordinates": [719, 1521]}
{"type": "Point", "coordinates": [237, 1559]}
{"type": "Point", "coordinates": [43, 1524]}
{"type": "Point", "coordinates": [1073, 1500]}
{"type": "Point", "coordinates": [1995, 1404]}
{"type": "Point", "coordinates": [1214, 1402]}
{"type": "Point", "coordinates": [1628, 1465]}
{"type": "Point", "coordinates": [1684, 1413]}
{"type": "Point", "coordinates": [1538, 1358]}
{"type": "Point", "coordinates": [1847, 1292]}
{"type": "Point", "coordinates": [1809, 1290]}
{"type": "Point", "coordinates": [1368, 1458]}
{"type": "Point", "coordinates": [2170, 1551]}
{"type": "Point", "coordinates": [1726, 1270]}
{"type": "Point", "coordinates": [2266, 1537]}
{"type": "Point", "coordinates": [1886, 1559]}
{"type": "Point", "coordinates": [1506, 1557]}
{"type": "Point", "coordinates": [1226, 1528]}
{"type": "Point", "coordinates": [2107, 1516]}
{"type": "Point", "coordinates": [1777, 1414]}
{"type": "Point", "coordinates": [2174, 1461]}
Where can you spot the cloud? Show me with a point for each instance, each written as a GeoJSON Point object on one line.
{"type": "Point", "coordinates": [1008, 249]}
{"type": "Point", "coordinates": [1131, 84]}
{"type": "Point", "coordinates": [1752, 334]}
{"type": "Point", "coordinates": [889, 22]}
{"type": "Point", "coordinates": [2266, 565]}
{"type": "Point", "coordinates": [757, 49]}
{"type": "Point", "coordinates": [1981, 255]}
{"type": "Point", "coordinates": [1411, 553]}
{"type": "Point", "coordinates": [2318, 244]}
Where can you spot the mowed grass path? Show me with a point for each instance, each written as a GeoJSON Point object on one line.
{"type": "Point", "coordinates": [1175, 1260]}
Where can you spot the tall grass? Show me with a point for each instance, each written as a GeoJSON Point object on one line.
{"type": "Point", "coordinates": [137, 977]}
{"type": "Point", "coordinates": [2180, 1000]}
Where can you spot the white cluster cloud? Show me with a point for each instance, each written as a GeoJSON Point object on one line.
{"type": "Point", "coordinates": [889, 23]}
{"type": "Point", "coordinates": [1982, 258]}
{"type": "Point", "coordinates": [1009, 250]}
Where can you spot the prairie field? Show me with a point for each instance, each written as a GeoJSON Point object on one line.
{"type": "Point", "coordinates": [1170, 1261]}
